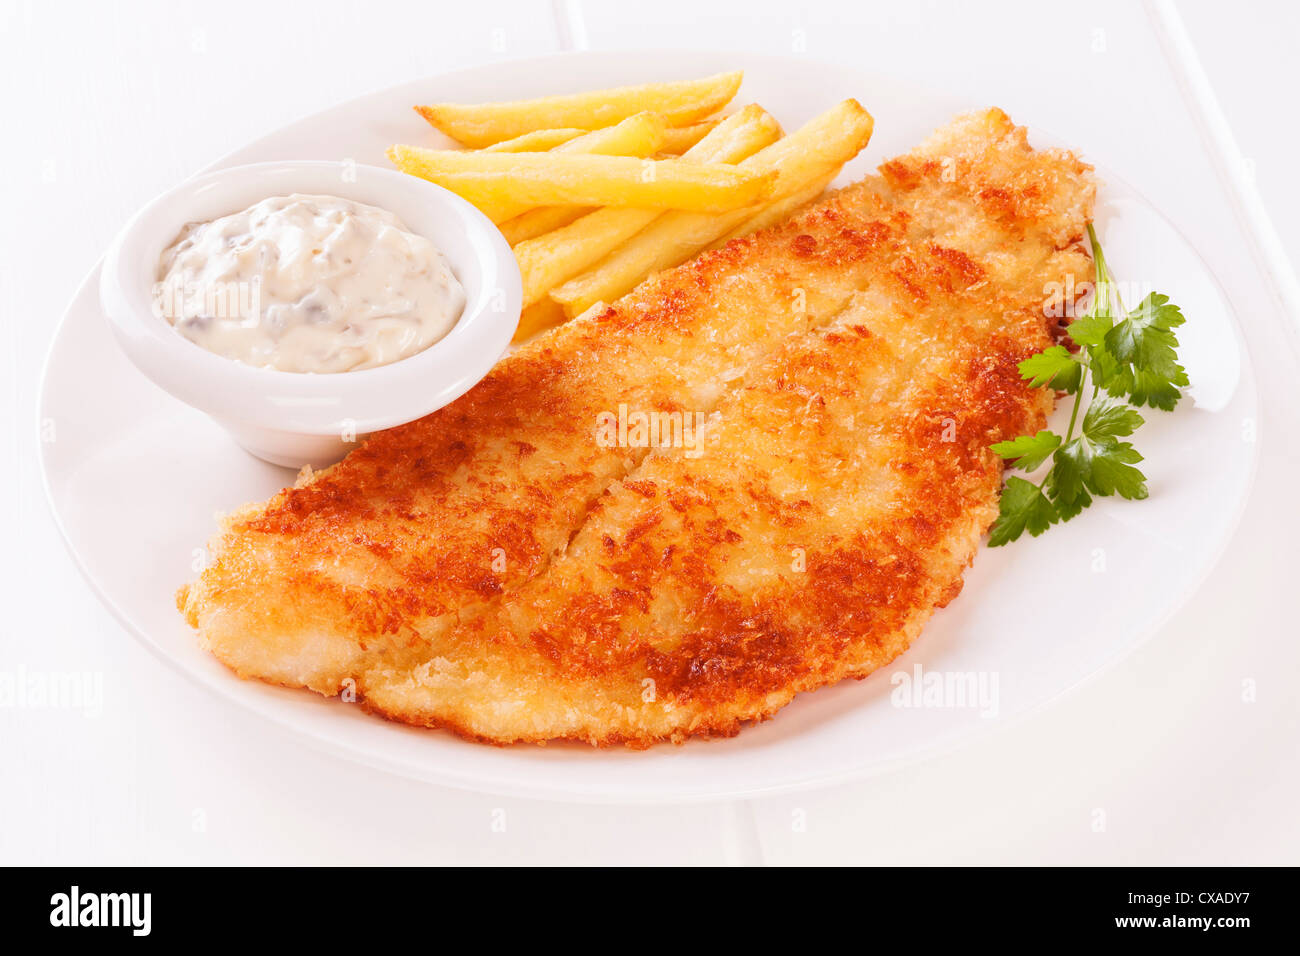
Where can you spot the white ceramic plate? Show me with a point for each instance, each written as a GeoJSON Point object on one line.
{"type": "Point", "coordinates": [135, 478]}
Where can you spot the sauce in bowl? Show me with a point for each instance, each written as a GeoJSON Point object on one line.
{"type": "Point", "coordinates": [308, 283]}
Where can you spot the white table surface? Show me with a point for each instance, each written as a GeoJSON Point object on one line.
{"type": "Point", "coordinates": [107, 104]}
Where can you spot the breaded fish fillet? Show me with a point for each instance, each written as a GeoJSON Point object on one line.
{"type": "Point", "coordinates": [495, 569]}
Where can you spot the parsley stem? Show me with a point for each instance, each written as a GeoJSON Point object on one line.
{"type": "Point", "coordinates": [1098, 258]}
{"type": "Point", "coordinates": [1074, 413]}
{"type": "Point", "coordinates": [1102, 286]}
{"type": "Point", "coordinates": [1101, 269]}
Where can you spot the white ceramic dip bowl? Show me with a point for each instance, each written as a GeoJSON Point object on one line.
{"type": "Point", "coordinates": [295, 418]}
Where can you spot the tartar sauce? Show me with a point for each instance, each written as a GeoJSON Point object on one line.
{"type": "Point", "coordinates": [308, 284]}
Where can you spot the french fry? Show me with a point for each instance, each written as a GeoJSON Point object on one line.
{"type": "Point", "coordinates": [505, 181]}
{"type": "Point", "coordinates": [778, 211]}
{"type": "Point", "coordinates": [539, 221]}
{"type": "Point", "coordinates": [681, 102]}
{"type": "Point", "coordinates": [538, 317]}
{"type": "Point", "coordinates": [550, 259]}
{"type": "Point", "coordinates": [639, 135]}
{"type": "Point", "coordinates": [538, 141]}
{"type": "Point", "coordinates": [737, 137]}
{"type": "Point", "coordinates": [632, 137]}
{"type": "Point", "coordinates": [810, 154]}
{"type": "Point", "coordinates": [678, 139]}
{"type": "Point", "coordinates": [594, 309]}
{"type": "Point", "coordinates": [544, 219]}
{"type": "Point", "coordinates": [547, 314]}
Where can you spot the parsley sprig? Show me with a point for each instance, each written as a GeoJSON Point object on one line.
{"type": "Point", "coordinates": [1126, 359]}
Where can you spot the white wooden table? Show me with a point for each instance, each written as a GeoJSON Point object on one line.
{"type": "Point", "coordinates": [105, 105]}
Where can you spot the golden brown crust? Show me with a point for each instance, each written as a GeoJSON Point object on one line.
{"type": "Point", "coordinates": [494, 570]}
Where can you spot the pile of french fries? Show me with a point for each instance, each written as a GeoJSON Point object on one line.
{"type": "Point", "coordinates": [595, 191]}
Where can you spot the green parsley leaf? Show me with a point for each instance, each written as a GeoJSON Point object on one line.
{"type": "Point", "coordinates": [1103, 467]}
{"type": "Point", "coordinates": [1091, 327]}
{"type": "Point", "coordinates": [1154, 389]}
{"type": "Point", "coordinates": [1064, 483]}
{"type": "Point", "coordinates": [1066, 507]}
{"type": "Point", "coordinates": [1029, 451]}
{"type": "Point", "coordinates": [1113, 472]}
{"type": "Point", "coordinates": [1053, 366]}
{"type": "Point", "coordinates": [1107, 373]}
{"type": "Point", "coordinates": [1145, 341]}
{"type": "Point", "coordinates": [1110, 418]}
{"type": "Point", "coordinates": [1023, 508]}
